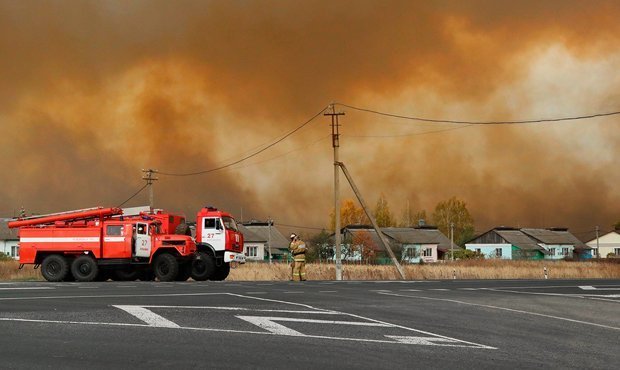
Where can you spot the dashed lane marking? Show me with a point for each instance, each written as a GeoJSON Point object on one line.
{"type": "Point", "coordinates": [27, 288]}
{"type": "Point", "coordinates": [505, 309]}
{"type": "Point", "coordinates": [328, 291]}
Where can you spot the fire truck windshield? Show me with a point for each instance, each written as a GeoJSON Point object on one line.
{"type": "Point", "coordinates": [230, 223]}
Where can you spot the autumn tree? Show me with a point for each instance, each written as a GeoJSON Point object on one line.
{"type": "Point", "coordinates": [454, 211]}
{"type": "Point", "coordinates": [363, 242]}
{"type": "Point", "coordinates": [350, 214]}
{"type": "Point", "coordinates": [382, 213]}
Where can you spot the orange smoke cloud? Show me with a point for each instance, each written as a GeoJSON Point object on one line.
{"type": "Point", "coordinates": [95, 91]}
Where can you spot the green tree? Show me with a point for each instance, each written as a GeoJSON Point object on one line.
{"type": "Point", "coordinates": [319, 247]}
{"type": "Point", "coordinates": [382, 213]}
{"type": "Point", "coordinates": [454, 211]}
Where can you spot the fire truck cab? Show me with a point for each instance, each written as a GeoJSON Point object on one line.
{"type": "Point", "coordinates": [218, 241]}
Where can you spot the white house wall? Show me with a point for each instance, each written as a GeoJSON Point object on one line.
{"type": "Point", "coordinates": [607, 244]}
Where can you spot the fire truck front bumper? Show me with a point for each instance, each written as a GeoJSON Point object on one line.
{"type": "Point", "coordinates": [234, 257]}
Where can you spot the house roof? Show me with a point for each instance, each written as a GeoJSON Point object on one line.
{"type": "Point", "coordinates": [405, 235]}
{"type": "Point", "coordinates": [519, 239]}
{"type": "Point", "coordinates": [258, 232]}
{"type": "Point", "coordinates": [555, 237]}
{"type": "Point", "coordinates": [5, 232]}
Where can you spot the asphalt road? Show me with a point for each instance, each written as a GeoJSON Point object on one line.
{"type": "Point", "coordinates": [316, 324]}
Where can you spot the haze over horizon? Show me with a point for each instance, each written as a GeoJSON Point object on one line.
{"type": "Point", "coordinates": [92, 92]}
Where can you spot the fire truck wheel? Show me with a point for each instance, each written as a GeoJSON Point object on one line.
{"type": "Point", "coordinates": [54, 268]}
{"type": "Point", "coordinates": [221, 273]}
{"type": "Point", "coordinates": [203, 267]}
{"type": "Point", "coordinates": [166, 267]}
{"type": "Point", "coordinates": [185, 270]}
{"type": "Point", "coordinates": [84, 268]}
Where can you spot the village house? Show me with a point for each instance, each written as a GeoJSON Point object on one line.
{"type": "Point", "coordinates": [608, 245]}
{"type": "Point", "coordinates": [256, 238]}
{"type": "Point", "coordinates": [9, 242]}
{"type": "Point", "coordinates": [528, 243]}
{"type": "Point", "coordinates": [411, 245]}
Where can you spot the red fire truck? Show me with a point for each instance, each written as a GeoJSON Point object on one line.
{"type": "Point", "coordinates": [218, 240]}
{"type": "Point", "coordinates": [98, 243]}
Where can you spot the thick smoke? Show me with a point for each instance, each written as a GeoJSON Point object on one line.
{"type": "Point", "coordinates": [92, 92]}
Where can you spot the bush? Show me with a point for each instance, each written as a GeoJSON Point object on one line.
{"type": "Point", "coordinates": [4, 257]}
{"type": "Point", "coordinates": [465, 254]}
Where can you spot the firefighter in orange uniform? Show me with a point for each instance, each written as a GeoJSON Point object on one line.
{"type": "Point", "coordinates": [298, 249]}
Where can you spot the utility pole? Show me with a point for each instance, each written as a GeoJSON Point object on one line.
{"type": "Point", "coordinates": [336, 144]}
{"type": "Point", "coordinates": [452, 240]}
{"type": "Point", "coordinates": [270, 221]}
{"type": "Point", "coordinates": [598, 255]}
{"type": "Point", "coordinates": [382, 238]}
{"type": "Point", "coordinates": [149, 177]}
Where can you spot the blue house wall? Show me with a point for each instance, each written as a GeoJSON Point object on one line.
{"type": "Point", "coordinates": [490, 250]}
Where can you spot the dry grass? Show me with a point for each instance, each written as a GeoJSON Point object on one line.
{"type": "Point", "coordinates": [9, 271]}
{"type": "Point", "coordinates": [468, 269]}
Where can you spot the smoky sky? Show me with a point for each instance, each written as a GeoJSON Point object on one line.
{"type": "Point", "coordinates": [92, 92]}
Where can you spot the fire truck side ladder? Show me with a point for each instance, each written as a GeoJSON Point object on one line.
{"type": "Point", "coordinates": [80, 214]}
{"type": "Point", "coordinates": [380, 234]}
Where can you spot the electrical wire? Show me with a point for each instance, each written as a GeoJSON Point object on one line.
{"type": "Point", "coordinates": [422, 119]}
{"type": "Point", "coordinates": [248, 156]}
{"type": "Point", "coordinates": [412, 134]}
{"type": "Point", "coordinates": [302, 227]}
{"type": "Point", "coordinates": [131, 197]}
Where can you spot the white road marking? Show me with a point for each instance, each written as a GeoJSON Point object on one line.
{"type": "Point", "coordinates": [328, 291]}
{"type": "Point", "coordinates": [443, 290]}
{"type": "Point", "coordinates": [505, 309]}
{"type": "Point", "coordinates": [425, 341]}
{"type": "Point", "coordinates": [589, 287]}
{"type": "Point", "coordinates": [410, 290]}
{"type": "Point", "coordinates": [272, 327]}
{"type": "Point", "coordinates": [148, 316]}
{"type": "Point", "coordinates": [292, 292]}
{"type": "Point", "coordinates": [27, 288]}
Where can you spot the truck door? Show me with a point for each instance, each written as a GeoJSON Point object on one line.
{"type": "Point", "coordinates": [143, 240]}
{"type": "Point", "coordinates": [116, 245]}
{"type": "Point", "coordinates": [213, 233]}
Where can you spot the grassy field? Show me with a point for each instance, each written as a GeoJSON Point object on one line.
{"type": "Point", "coordinates": [467, 269]}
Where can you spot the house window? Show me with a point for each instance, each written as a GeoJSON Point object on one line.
{"type": "Point", "coordinates": [498, 252]}
{"type": "Point", "coordinates": [252, 251]}
{"type": "Point", "coordinates": [617, 251]}
{"type": "Point", "coordinates": [14, 251]}
{"type": "Point", "coordinates": [478, 251]}
{"type": "Point", "coordinates": [552, 251]}
{"type": "Point", "coordinates": [411, 253]}
{"type": "Point", "coordinates": [565, 251]}
{"type": "Point", "coordinates": [427, 252]}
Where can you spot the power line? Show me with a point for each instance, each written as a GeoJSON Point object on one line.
{"type": "Point", "coordinates": [248, 156]}
{"type": "Point", "coordinates": [422, 119]}
{"type": "Point", "coordinates": [301, 227]}
{"type": "Point", "coordinates": [411, 134]}
{"type": "Point", "coordinates": [136, 193]}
